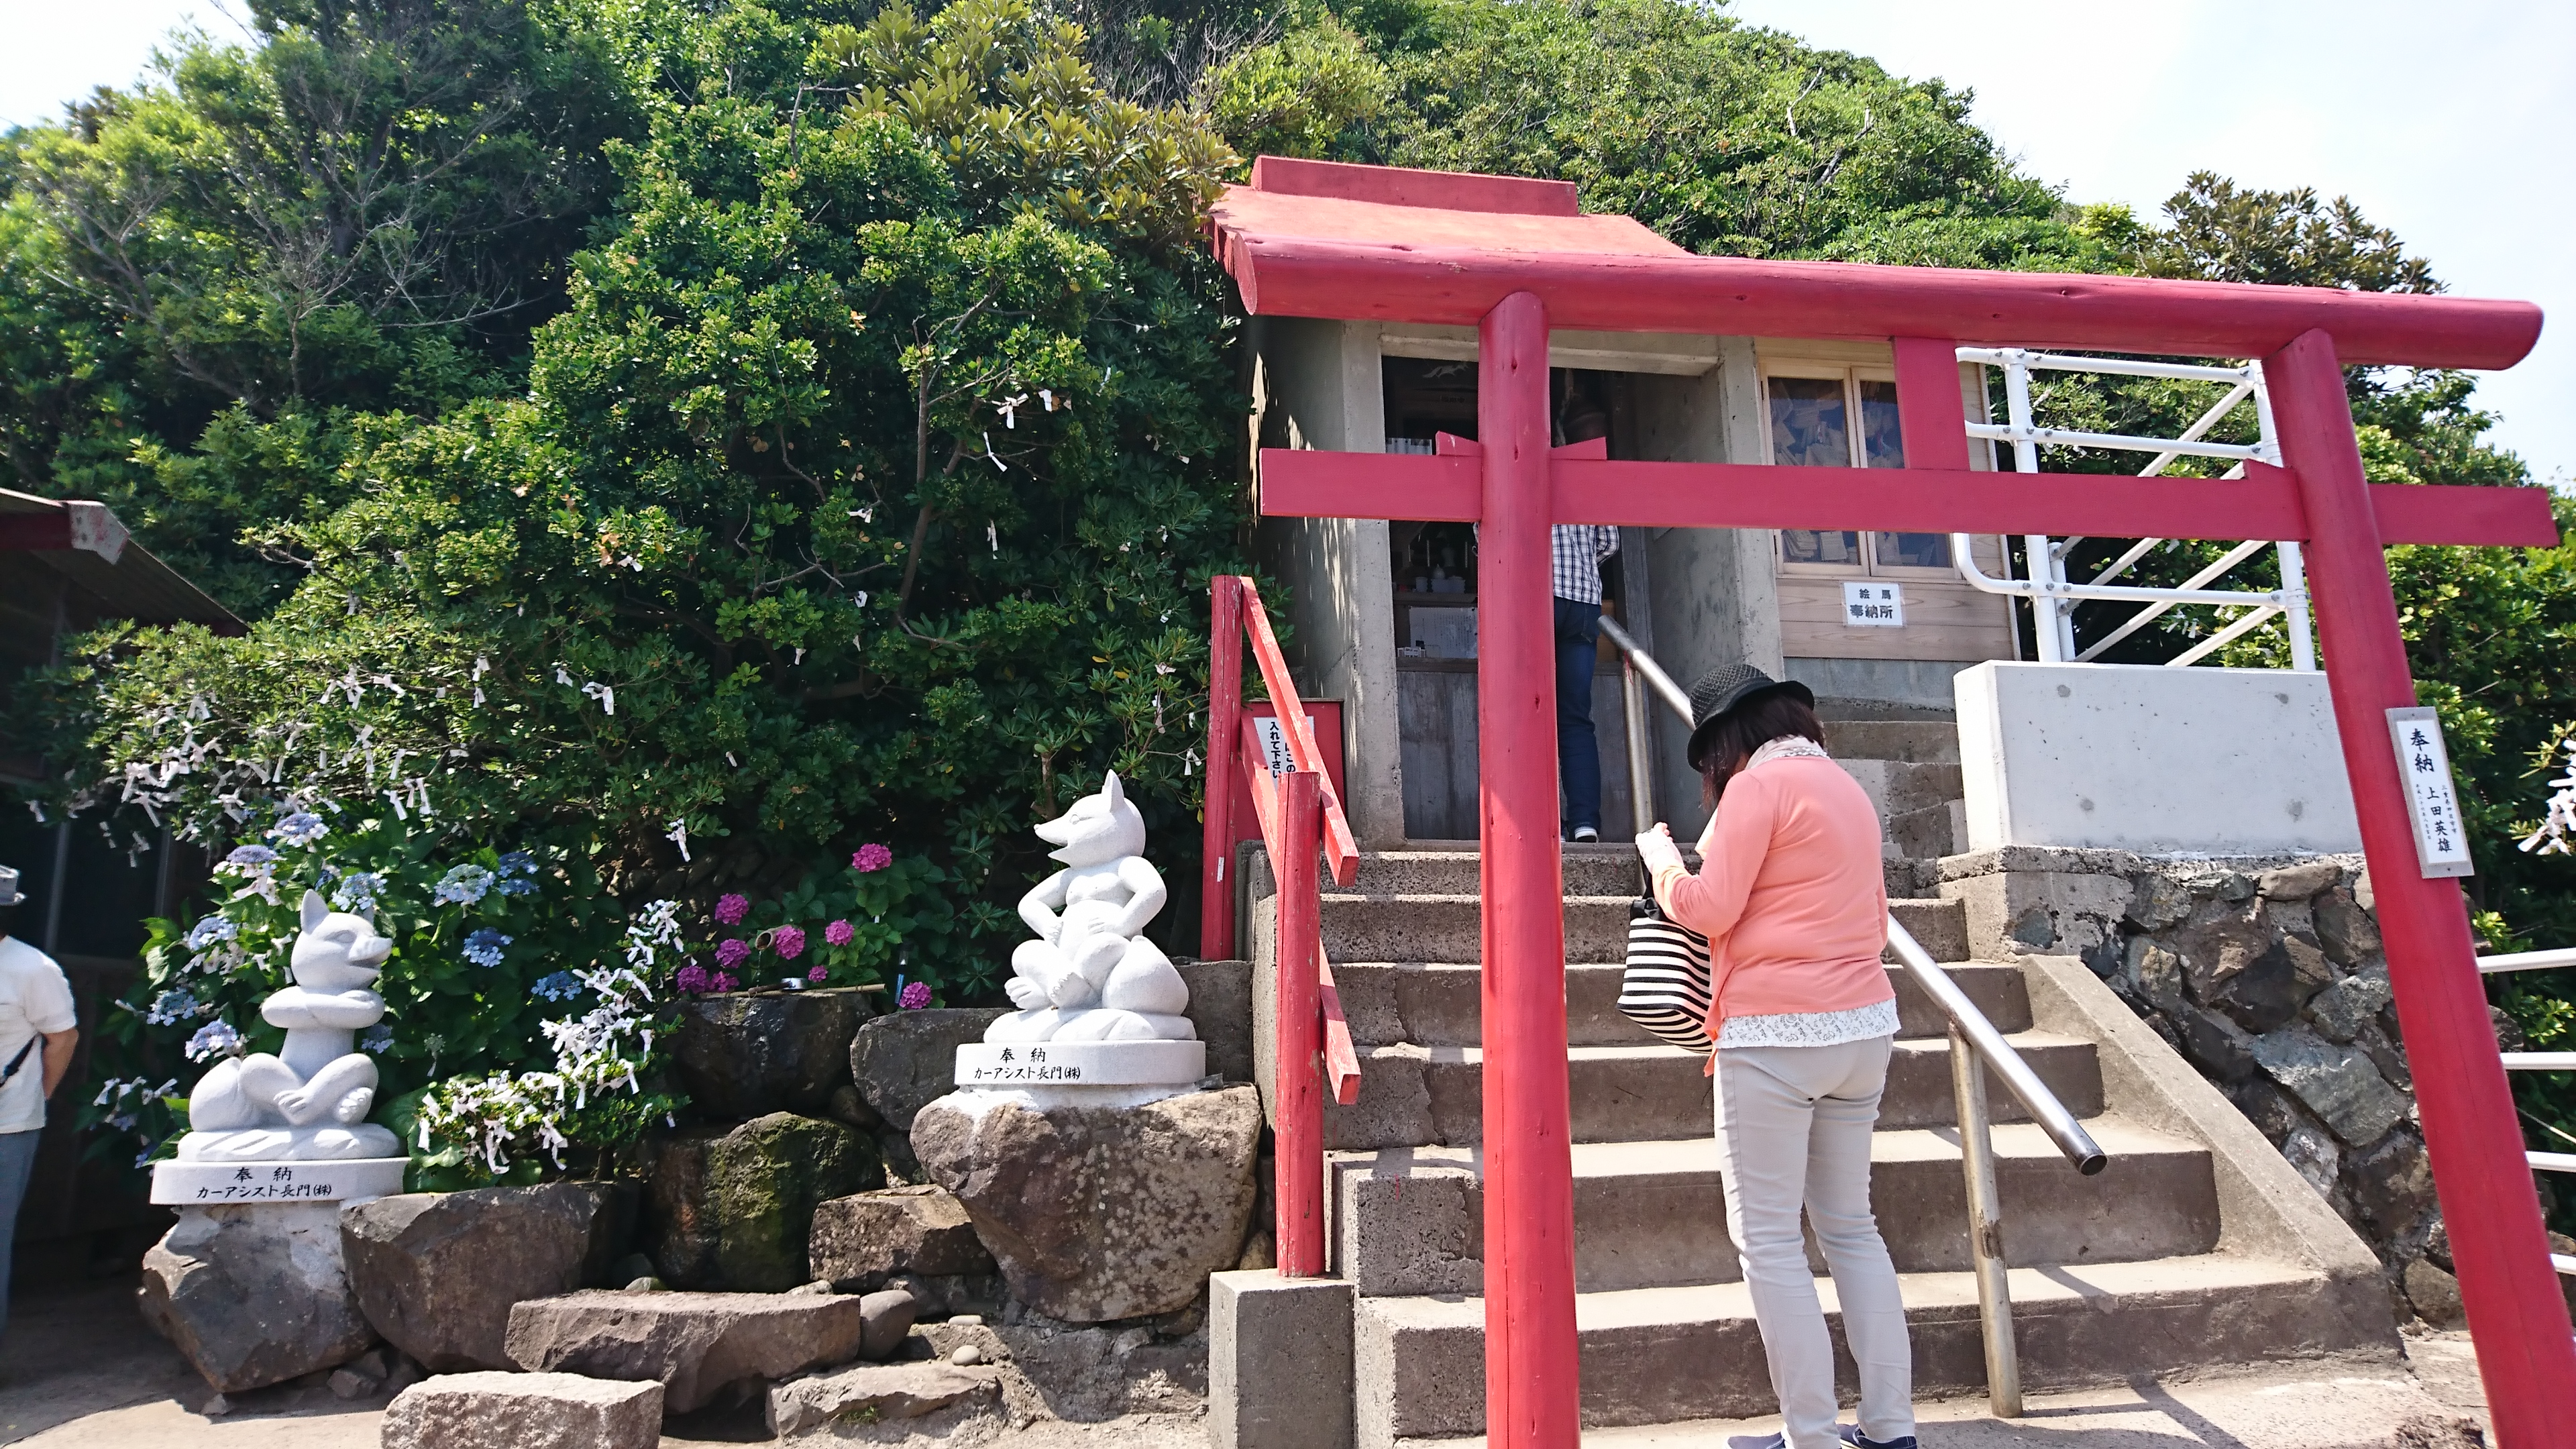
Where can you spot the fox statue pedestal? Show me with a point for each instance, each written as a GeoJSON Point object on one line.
{"type": "Point", "coordinates": [250, 1285]}
{"type": "Point", "coordinates": [1083, 1139]}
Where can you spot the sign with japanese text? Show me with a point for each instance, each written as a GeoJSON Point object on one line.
{"type": "Point", "coordinates": [1873, 605]}
{"type": "Point", "coordinates": [2424, 766]}
{"type": "Point", "coordinates": [1274, 742]}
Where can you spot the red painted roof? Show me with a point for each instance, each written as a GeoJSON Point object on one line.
{"type": "Point", "coordinates": [1321, 239]}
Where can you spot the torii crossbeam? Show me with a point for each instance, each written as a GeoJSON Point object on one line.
{"type": "Point", "coordinates": [1307, 239]}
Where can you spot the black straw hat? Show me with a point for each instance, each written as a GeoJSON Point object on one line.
{"type": "Point", "coordinates": [1724, 688]}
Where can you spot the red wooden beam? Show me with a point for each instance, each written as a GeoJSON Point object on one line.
{"type": "Point", "coordinates": [1308, 483]}
{"type": "Point", "coordinates": [1325, 276]}
{"type": "Point", "coordinates": [1341, 1054]}
{"type": "Point", "coordinates": [1341, 852]}
{"type": "Point", "coordinates": [2515, 1312]}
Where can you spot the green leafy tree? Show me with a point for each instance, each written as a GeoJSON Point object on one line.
{"type": "Point", "coordinates": [866, 486]}
{"type": "Point", "coordinates": [368, 208]}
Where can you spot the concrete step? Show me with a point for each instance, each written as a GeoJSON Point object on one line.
{"type": "Point", "coordinates": [1929, 833]}
{"type": "Point", "coordinates": [1650, 1214]}
{"type": "Point", "coordinates": [1662, 1355]}
{"type": "Point", "coordinates": [1420, 1096]}
{"type": "Point", "coordinates": [1896, 787]}
{"type": "Point", "coordinates": [1451, 927]}
{"type": "Point", "coordinates": [1451, 869]}
{"type": "Point", "coordinates": [1441, 1005]}
{"type": "Point", "coordinates": [1914, 741]}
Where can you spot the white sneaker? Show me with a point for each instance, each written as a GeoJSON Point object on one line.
{"type": "Point", "coordinates": [1585, 834]}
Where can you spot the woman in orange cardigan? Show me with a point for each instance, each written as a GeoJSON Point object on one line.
{"type": "Point", "coordinates": [1794, 904]}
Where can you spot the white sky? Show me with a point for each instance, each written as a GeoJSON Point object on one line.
{"type": "Point", "coordinates": [2454, 124]}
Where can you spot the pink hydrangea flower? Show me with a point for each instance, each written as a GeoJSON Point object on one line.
{"type": "Point", "coordinates": [730, 953]}
{"type": "Point", "coordinates": [915, 996]}
{"type": "Point", "coordinates": [839, 933]}
{"type": "Point", "coordinates": [788, 942]}
{"type": "Point", "coordinates": [731, 908]}
{"type": "Point", "coordinates": [693, 979]}
{"type": "Point", "coordinates": [724, 981]}
{"type": "Point", "coordinates": [818, 975]}
{"type": "Point", "coordinates": [871, 857]}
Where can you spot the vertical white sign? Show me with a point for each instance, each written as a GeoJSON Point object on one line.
{"type": "Point", "coordinates": [1873, 605]}
{"type": "Point", "coordinates": [2424, 766]}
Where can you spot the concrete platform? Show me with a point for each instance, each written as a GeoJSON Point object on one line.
{"type": "Point", "coordinates": [2330, 1404]}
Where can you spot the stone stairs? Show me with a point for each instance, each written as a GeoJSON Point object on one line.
{"type": "Point", "coordinates": [2196, 1246]}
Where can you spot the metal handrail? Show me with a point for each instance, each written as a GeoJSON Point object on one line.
{"type": "Point", "coordinates": [1974, 1042]}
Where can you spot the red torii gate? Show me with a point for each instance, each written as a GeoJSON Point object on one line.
{"type": "Point", "coordinates": [1514, 257]}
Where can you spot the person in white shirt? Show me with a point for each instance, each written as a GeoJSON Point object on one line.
{"type": "Point", "coordinates": [37, 1034]}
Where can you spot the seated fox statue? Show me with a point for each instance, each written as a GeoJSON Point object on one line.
{"type": "Point", "coordinates": [310, 1101]}
{"type": "Point", "coordinates": [1091, 975]}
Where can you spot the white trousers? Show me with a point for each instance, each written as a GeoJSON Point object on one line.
{"type": "Point", "coordinates": [1793, 1129]}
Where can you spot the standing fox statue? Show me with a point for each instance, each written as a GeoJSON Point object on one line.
{"type": "Point", "coordinates": [1099, 1005]}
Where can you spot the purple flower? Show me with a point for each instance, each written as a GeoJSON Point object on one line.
{"type": "Point", "coordinates": [871, 857]}
{"type": "Point", "coordinates": [731, 908]}
{"type": "Point", "coordinates": [915, 996]}
{"type": "Point", "coordinates": [732, 952]}
{"type": "Point", "coordinates": [788, 942]}
{"type": "Point", "coordinates": [693, 979]}
{"type": "Point", "coordinates": [818, 975]}
{"type": "Point", "coordinates": [724, 982]}
{"type": "Point", "coordinates": [839, 933]}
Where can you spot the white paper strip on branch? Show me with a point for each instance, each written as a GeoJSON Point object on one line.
{"type": "Point", "coordinates": [2432, 805]}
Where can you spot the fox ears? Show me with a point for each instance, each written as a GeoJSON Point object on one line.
{"type": "Point", "coordinates": [315, 909]}
{"type": "Point", "coordinates": [1113, 790]}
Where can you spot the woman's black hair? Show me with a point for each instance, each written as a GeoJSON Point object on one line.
{"type": "Point", "coordinates": [1732, 737]}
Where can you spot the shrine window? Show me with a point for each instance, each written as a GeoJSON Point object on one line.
{"type": "Point", "coordinates": [1831, 415]}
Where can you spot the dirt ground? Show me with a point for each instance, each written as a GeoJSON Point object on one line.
{"type": "Point", "coordinates": [80, 1371]}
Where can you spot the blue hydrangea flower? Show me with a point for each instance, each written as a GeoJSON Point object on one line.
{"type": "Point", "coordinates": [483, 947]}
{"type": "Point", "coordinates": [251, 857]}
{"type": "Point", "coordinates": [518, 862]}
{"type": "Point", "coordinates": [172, 1006]}
{"type": "Point", "coordinates": [211, 931]}
{"type": "Point", "coordinates": [299, 829]}
{"type": "Point", "coordinates": [462, 886]}
{"type": "Point", "coordinates": [357, 892]}
{"type": "Point", "coordinates": [214, 1039]}
{"type": "Point", "coordinates": [561, 986]}
{"type": "Point", "coordinates": [376, 1038]}
{"type": "Point", "coordinates": [516, 885]}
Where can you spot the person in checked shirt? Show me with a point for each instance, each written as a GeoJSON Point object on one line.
{"type": "Point", "coordinates": [1574, 576]}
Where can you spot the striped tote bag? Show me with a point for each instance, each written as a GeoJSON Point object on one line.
{"type": "Point", "coordinates": [1665, 988]}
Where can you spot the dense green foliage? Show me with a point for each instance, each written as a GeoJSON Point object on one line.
{"type": "Point", "coordinates": [866, 481]}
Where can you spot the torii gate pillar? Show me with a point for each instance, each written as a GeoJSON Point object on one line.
{"type": "Point", "coordinates": [2470, 1127]}
{"type": "Point", "coordinates": [1531, 1387]}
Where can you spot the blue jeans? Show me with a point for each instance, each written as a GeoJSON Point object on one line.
{"type": "Point", "coordinates": [1578, 754]}
{"type": "Point", "coordinates": [17, 1164]}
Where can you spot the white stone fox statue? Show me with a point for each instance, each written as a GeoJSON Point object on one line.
{"type": "Point", "coordinates": [1091, 975]}
{"type": "Point", "coordinates": [310, 1101]}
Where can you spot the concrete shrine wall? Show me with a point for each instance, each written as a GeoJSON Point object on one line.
{"type": "Point", "coordinates": [2146, 758]}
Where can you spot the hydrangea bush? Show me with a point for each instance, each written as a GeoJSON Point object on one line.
{"type": "Point", "coordinates": [879, 918]}
{"type": "Point", "coordinates": [491, 950]}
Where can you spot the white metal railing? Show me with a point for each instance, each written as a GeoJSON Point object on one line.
{"type": "Point", "coordinates": [2053, 595]}
{"type": "Point", "coordinates": [2539, 1062]}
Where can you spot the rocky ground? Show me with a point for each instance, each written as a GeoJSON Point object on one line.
{"type": "Point", "coordinates": [80, 1371]}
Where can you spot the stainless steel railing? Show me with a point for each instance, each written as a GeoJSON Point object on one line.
{"type": "Point", "coordinates": [1974, 1043]}
{"type": "Point", "coordinates": [2540, 1062]}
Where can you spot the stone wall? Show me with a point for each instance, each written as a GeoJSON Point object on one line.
{"type": "Point", "coordinates": [2267, 975]}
